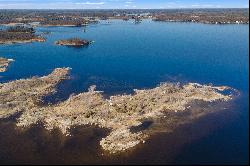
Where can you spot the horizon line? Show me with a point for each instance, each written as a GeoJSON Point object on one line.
{"type": "Point", "coordinates": [124, 8]}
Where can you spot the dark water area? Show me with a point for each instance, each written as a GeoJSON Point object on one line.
{"type": "Point", "coordinates": [125, 56]}
{"type": "Point", "coordinates": [227, 144]}
{"type": "Point", "coordinates": [204, 141]}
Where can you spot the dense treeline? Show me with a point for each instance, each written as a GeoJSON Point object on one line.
{"type": "Point", "coordinates": [18, 33]}
{"type": "Point", "coordinates": [63, 21]}
{"type": "Point", "coordinates": [212, 18]}
{"type": "Point", "coordinates": [21, 29]}
{"type": "Point", "coordinates": [16, 36]}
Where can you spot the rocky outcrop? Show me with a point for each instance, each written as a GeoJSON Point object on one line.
{"type": "Point", "coordinates": [75, 42]}
{"type": "Point", "coordinates": [4, 63]}
{"type": "Point", "coordinates": [119, 113]}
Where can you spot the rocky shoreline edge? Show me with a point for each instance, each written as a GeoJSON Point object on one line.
{"type": "Point", "coordinates": [38, 39]}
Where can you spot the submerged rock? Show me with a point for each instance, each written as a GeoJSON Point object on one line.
{"type": "Point", "coordinates": [119, 113]}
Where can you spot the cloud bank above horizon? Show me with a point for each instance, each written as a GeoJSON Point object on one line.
{"type": "Point", "coordinates": [121, 4]}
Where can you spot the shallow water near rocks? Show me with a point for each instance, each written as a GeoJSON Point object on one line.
{"type": "Point", "coordinates": [127, 56]}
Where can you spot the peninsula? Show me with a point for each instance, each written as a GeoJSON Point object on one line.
{"type": "Point", "coordinates": [121, 114]}
{"type": "Point", "coordinates": [19, 34]}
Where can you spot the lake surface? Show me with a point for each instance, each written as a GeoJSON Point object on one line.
{"type": "Point", "coordinates": [126, 56]}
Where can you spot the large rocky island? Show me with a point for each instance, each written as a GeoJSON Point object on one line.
{"type": "Point", "coordinates": [123, 115]}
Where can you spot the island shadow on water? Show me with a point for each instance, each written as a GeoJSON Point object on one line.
{"type": "Point", "coordinates": [78, 47]}
{"type": "Point", "coordinates": [37, 145]}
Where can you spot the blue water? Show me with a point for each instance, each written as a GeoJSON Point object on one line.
{"type": "Point", "coordinates": [125, 56]}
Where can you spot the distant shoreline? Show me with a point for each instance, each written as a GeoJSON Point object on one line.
{"type": "Point", "coordinates": [75, 17]}
{"type": "Point", "coordinates": [167, 21]}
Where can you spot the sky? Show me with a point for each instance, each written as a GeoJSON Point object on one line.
{"type": "Point", "coordinates": [121, 4]}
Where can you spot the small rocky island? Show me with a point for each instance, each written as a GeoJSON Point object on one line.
{"type": "Point", "coordinates": [123, 115]}
{"type": "Point", "coordinates": [74, 42]}
{"type": "Point", "coordinates": [4, 63]}
{"type": "Point", "coordinates": [19, 34]}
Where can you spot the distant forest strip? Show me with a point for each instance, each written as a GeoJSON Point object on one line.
{"type": "Point", "coordinates": [82, 17]}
